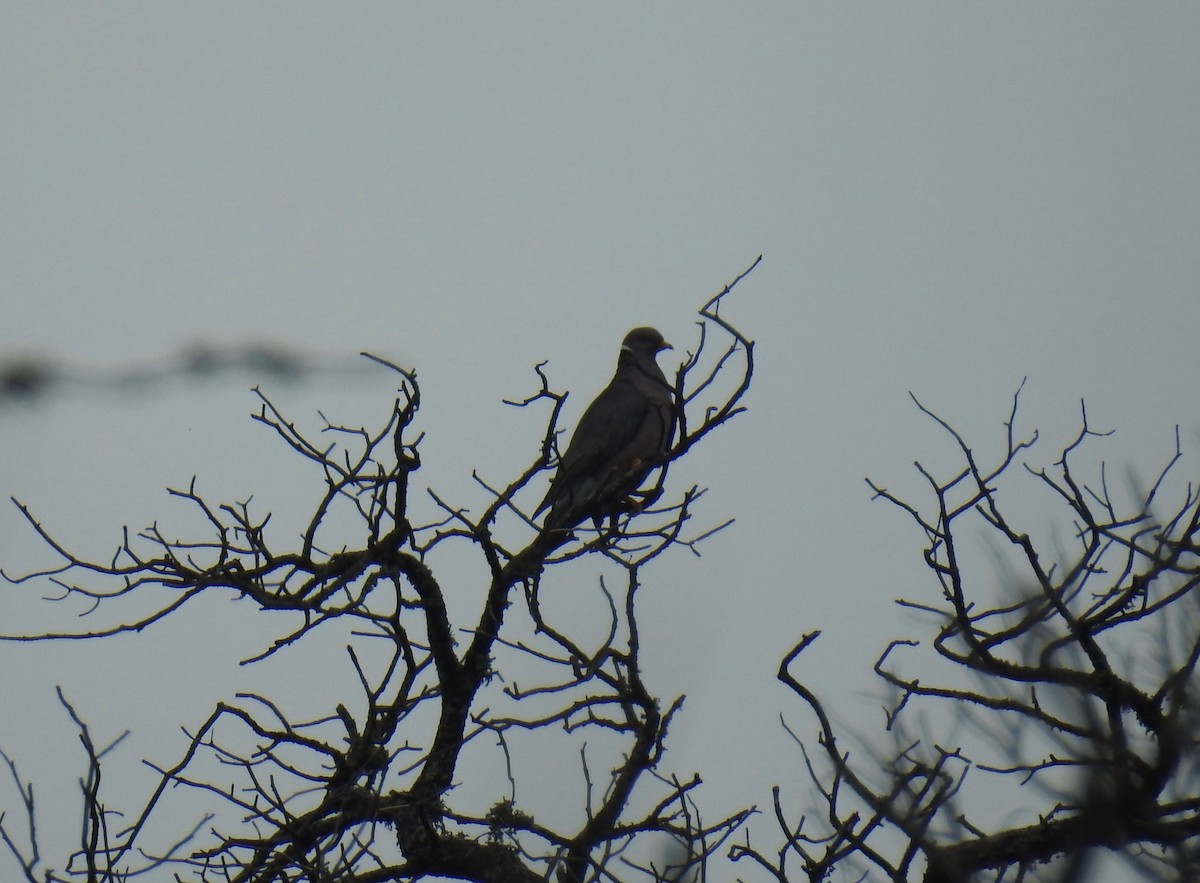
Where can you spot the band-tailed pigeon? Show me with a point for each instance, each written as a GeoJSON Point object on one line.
{"type": "Point", "coordinates": [621, 434]}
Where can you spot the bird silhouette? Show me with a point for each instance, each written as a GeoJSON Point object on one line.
{"type": "Point", "coordinates": [618, 440]}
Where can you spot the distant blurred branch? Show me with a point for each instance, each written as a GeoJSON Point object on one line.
{"type": "Point", "coordinates": [29, 377]}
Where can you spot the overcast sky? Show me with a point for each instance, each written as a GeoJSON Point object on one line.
{"type": "Point", "coordinates": [949, 197]}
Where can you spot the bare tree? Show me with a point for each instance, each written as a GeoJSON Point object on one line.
{"type": "Point", "coordinates": [367, 791]}
{"type": "Point", "coordinates": [1067, 674]}
{"type": "Point", "coordinates": [1047, 714]}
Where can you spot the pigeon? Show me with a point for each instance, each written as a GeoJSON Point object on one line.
{"type": "Point", "coordinates": [618, 440]}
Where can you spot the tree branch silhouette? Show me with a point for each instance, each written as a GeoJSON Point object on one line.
{"type": "Point", "coordinates": [1045, 673]}
{"type": "Point", "coordinates": [369, 790]}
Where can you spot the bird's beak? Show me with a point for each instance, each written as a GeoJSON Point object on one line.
{"type": "Point", "coordinates": [665, 346]}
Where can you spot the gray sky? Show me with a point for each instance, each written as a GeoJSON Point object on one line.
{"type": "Point", "coordinates": [949, 197]}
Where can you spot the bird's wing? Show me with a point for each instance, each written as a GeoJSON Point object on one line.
{"type": "Point", "coordinates": [629, 423]}
{"type": "Point", "coordinates": [608, 425]}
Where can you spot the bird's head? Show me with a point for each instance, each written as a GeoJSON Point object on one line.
{"type": "Point", "coordinates": [644, 343]}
